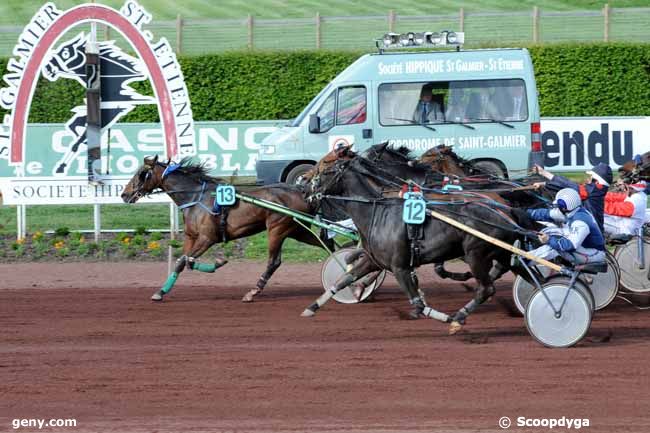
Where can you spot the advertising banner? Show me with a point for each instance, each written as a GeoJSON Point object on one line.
{"type": "Point", "coordinates": [579, 143]}
{"type": "Point", "coordinates": [227, 148]}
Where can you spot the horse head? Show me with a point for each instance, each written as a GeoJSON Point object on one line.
{"type": "Point", "coordinates": [67, 60]}
{"type": "Point", "coordinates": [444, 160]}
{"type": "Point", "coordinates": [148, 178]}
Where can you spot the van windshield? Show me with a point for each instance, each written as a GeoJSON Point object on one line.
{"type": "Point", "coordinates": [453, 101]}
{"type": "Point", "coordinates": [298, 120]}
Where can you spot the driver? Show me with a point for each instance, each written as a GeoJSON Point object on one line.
{"type": "Point", "coordinates": [592, 192]}
{"type": "Point", "coordinates": [625, 211]}
{"type": "Point", "coordinates": [576, 237]}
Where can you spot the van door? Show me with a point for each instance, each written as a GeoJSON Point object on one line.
{"type": "Point", "coordinates": [342, 119]}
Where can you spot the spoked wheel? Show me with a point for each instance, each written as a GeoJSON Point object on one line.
{"type": "Point", "coordinates": [604, 285]}
{"type": "Point", "coordinates": [573, 321]}
{"type": "Point", "coordinates": [334, 267]}
{"type": "Point", "coordinates": [522, 290]}
{"type": "Point", "coordinates": [634, 277]}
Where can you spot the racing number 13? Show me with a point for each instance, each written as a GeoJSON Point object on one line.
{"type": "Point", "coordinates": [225, 195]}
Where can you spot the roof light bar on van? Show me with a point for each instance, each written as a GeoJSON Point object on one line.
{"type": "Point", "coordinates": [420, 40]}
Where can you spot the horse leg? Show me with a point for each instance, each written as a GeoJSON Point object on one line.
{"type": "Point", "coordinates": [408, 281]}
{"type": "Point", "coordinates": [456, 276]}
{"type": "Point", "coordinates": [359, 269]}
{"type": "Point", "coordinates": [193, 248]}
{"type": "Point", "coordinates": [276, 239]}
{"type": "Point", "coordinates": [188, 242]}
{"type": "Point", "coordinates": [484, 292]}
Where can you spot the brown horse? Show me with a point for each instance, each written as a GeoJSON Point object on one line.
{"type": "Point", "coordinates": [636, 169]}
{"type": "Point", "coordinates": [443, 159]}
{"type": "Point", "coordinates": [189, 186]}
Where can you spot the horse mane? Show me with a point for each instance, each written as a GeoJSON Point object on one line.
{"type": "Point", "coordinates": [402, 152]}
{"type": "Point", "coordinates": [111, 52]}
{"type": "Point", "coordinates": [197, 171]}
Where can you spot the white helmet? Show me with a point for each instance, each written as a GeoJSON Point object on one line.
{"type": "Point", "coordinates": [567, 199]}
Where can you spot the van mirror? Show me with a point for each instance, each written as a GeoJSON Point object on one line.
{"type": "Point", "coordinates": [314, 124]}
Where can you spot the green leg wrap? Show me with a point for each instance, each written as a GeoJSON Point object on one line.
{"type": "Point", "coordinates": [171, 280]}
{"type": "Point", "coordinates": [203, 267]}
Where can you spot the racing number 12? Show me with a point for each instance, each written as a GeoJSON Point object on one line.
{"type": "Point", "coordinates": [414, 211]}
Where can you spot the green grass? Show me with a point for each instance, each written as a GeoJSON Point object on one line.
{"type": "Point", "coordinates": [44, 218]}
{"type": "Point", "coordinates": [18, 12]}
{"type": "Point", "coordinates": [292, 251]}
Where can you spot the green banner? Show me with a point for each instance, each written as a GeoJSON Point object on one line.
{"type": "Point", "coordinates": [228, 148]}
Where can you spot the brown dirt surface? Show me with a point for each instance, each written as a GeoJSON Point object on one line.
{"type": "Point", "coordinates": [83, 341]}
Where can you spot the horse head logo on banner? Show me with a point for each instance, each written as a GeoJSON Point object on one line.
{"type": "Point", "coordinates": [106, 71]}
{"type": "Point", "coordinates": [117, 98]}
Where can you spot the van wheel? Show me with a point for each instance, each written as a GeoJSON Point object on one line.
{"type": "Point", "coordinates": [296, 172]}
{"type": "Point", "coordinates": [488, 167]}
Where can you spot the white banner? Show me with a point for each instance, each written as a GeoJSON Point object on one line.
{"type": "Point", "coordinates": [579, 143]}
{"type": "Point", "coordinates": [67, 190]}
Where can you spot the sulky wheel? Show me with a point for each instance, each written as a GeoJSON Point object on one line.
{"type": "Point", "coordinates": [604, 285]}
{"type": "Point", "coordinates": [334, 267]}
{"type": "Point", "coordinates": [633, 277]}
{"type": "Point", "coordinates": [574, 319]}
{"type": "Point", "coordinates": [522, 290]}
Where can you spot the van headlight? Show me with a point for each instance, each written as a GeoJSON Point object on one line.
{"type": "Point", "coordinates": [268, 149]}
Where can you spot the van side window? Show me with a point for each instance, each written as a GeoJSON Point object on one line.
{"type": "Point", "coordinates": [326, 112]}
{"type": "Point", "coordinates": [352, 105]}
{"type": "Point", "coordinates": [453, 101]}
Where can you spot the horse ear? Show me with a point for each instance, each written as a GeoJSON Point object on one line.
{"type": "Point", "coordinates": [155, 159]}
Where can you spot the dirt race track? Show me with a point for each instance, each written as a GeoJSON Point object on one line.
{"type": "Point", "coordinates": [83, 341]}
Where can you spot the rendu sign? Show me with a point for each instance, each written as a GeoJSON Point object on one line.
{"type": "Point", "coordinates": [573, 144]}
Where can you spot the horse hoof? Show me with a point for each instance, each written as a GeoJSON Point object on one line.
{"type": "Point", "coordinates": [157, 297]}
{"type": "Point", "coordinates": [307, 313]}
{"type": "Point", "coordinates": [248, 297]}
{"type": "Point", "coordinates": [454, 327]}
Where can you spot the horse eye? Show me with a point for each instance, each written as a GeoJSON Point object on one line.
{"type": "Point", "coordinates": [143, 175]}
{"type": "Point", "coordinates": [65, 54]}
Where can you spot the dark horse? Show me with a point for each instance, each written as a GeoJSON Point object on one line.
{"type": "Point", "coordinates": [388, 245]}
{"type": "Point", "coordinates": [190, 187]}
{"type": "Point", "coordinates": [397, 165]}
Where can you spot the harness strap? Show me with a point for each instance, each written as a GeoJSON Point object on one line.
{"type": "Point", "coordinates": [223, 224]}
{"type": "Point", "coordinates": [199, 202]}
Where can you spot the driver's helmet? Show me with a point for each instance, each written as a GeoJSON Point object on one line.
{"type": "Point", "coordinates": [567, 200]}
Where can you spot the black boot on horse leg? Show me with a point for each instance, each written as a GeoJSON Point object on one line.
{"type": "Point", "coordinates": [276, 239]}
{"type": "Point", "coordinates": [483, 293]}
{"type": "Point", "coordinates": [408, 281]}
